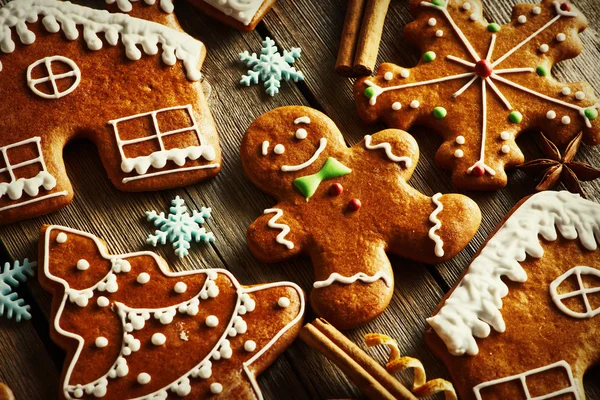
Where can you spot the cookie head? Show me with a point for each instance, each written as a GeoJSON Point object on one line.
{"type": "Point", "coordinates": [288, 143]}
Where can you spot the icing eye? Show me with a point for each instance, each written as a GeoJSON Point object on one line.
{"type": "Point", "coordinates": [301, 134]}
{"type": "Point", "coordinates": [278, 149]}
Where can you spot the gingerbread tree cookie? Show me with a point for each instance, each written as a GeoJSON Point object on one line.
{"type": "Point", "coordinates": [480, 85]}
{"type": "Point", "coordinates": [132, 329]}
{"type": "Point", "coordinates": [523, 322]}
{"type": "Point", "coordinates": [345, 208]}
{"type": "Point", "coordinates": [130, 85]}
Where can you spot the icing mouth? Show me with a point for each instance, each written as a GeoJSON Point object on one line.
{"type": "Point", "coordinates": [290, 168]}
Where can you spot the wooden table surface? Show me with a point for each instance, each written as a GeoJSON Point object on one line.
{"type": "Point", "coordinates": [31, 363]}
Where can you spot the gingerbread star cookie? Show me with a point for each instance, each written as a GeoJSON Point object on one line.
{"type": "Point", "coordinates": [130, 85]}
{"type": "Point", "coordinates": [345, 208]}
{"type": "Point", "coordinates": [479, 85]}
{"type": "Point", "coordinates": [523, 322]}
{"type": "Point", "coordinates": [134, 330]}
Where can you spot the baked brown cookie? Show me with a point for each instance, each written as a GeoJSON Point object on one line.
{"type": "Point", "coordinates": [129, 85]}
{"type": "Point", "coordinates": [242, 15]}
{"type": "Point", "coordinates": [345, 208]}
{"type": "Point", "coordinates": [479, 85]}
{"type": "Point", "coordinates": [523, 322]}
{"type": "Point", "coordinates": [133, 329]}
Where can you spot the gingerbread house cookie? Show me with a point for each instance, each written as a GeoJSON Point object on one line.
{"type": "Point", "coordinates": [242, 15]}
{"type": "Point", "coordinates": [133, 329]}
{"type": "Point", "coordinates": [479, 85]}
{"type": "Point", "coordinates": [523, 322]}
{"type": "Point", "coordinates": [129, 85]}
{"type": "Point", "coordinates": [345, 208]}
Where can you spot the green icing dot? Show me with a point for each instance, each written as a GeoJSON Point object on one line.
{"type": "Point", "coordinates": [541, 70]}
{"type": "Point", "coordinates": [369, 92]}
{"type": "Point", "coordinates": [439, 3]}
{"type": "Point", "coordinates": [515, 117]}
{"type": "Point", "coordinates": [429, 56]}
{"type": "Point", "coordinates": [439, 112]}
{"type": "Point", "coordinates": [591, 113]}
{"type": "Point", "coordinates": [493, 27]}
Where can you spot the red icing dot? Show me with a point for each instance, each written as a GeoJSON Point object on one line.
{"type": "Point", "coordinates": [483, 68]}
{"type": "Point", "coordinates": [478, 171]}
{"type": "Point", "coordinates": [336, 189]}
{"type": "Point", "coordinates": [565, 7]}
{"type": "Point", "coordinates": [354, 205]}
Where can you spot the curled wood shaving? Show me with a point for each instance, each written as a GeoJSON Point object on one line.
{"type": "Point", "coordinates": [421, 387]}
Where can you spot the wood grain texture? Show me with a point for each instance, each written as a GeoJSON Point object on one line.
{"type": "Point", "coordinates": [119, 217]}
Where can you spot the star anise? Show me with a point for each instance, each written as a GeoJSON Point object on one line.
{"type": "Point", "coordinates": [561, 168]}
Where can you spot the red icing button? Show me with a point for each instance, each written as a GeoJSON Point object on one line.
{"type": "Point", "coordinates": [478, 170]}
{"type": "Point", "coordinates": [354, 205]}
{"type": "Point", "coordinates": [483, 68]}
{"type": "Point", "coordinates": [565, 7]}
{"type": "Point", "coordinates": [336, 189]}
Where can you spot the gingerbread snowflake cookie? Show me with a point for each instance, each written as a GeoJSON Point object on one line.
{"type": "Point", "coordinates": [523, 320]}
{"type": "Point", "coordinates": [481, 84]}
{"type": "Point", "coordinates": [243, 15]}
{"type": "Point", "coordinates": [132, 329]}
{"type": "Point", "coordinates": [345, 208]}
{"type": "Point", "coordinates": [130, 85]}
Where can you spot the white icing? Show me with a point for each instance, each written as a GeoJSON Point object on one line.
{"type": "Point", "coordinates": [275, 225]}
{"type": "Point", "coordinates": [388, 76]}
{"type": "Point", "coordinates": [212, 321]}
{"type": "Point", "coordinates": [249, 346]}
{"type": "Point", "coordinates": [466, 6]}
{"type": "Point", "coordinates": [566, 120]}
{"type": "Point", "coordinates": [505, 135]}
{"type": "Point", "coordinates": [278, 149]}
{"type": "Point", "coordinates": [216, 388]}
{"type": "Point", "coordinates": [579, 95]}
{"type": "Point", "coordinates": [143, 278]}
{"type": "Point", "coordinates": [302, 120]}
{"type": "Point", "coordinates": [388, 151]}
{"type": "Point", "coordinates": [433, 218]}
{"type": "Point", "coordinates": [31, 186]}
{"type": "Point", "coordinates": [459, 153]}
{"type": "Point", "coordinates": [56, 94]}
{"type": "Point", "coordinates": [460, 139]}
{"type": "Point", "coordinates": [405, 73]}
{"type": "Point", "coordinates": [301, 134]}
{"type": "Point", "coordinates": [315, 156]}
{"type": "Point", "coordinates": [82, 265]}
{"type": "Point", "coordinates": [415, 104]}
{"type": "Point", "coordinates": [475, 303]}
{"type": "Point", "coordinates": [522, 19]}
{"type": "Point", "coordinates": [439, 33]}
{"type": "Point", "coordinates": [473, 17]}
{"type": "Point", "coordinates": [521, 379]}
{"type": "Point", "coordinates": [347, 280]}
{"type": "Point", "coordinates": [241, 10]}
{"type": "Point", "coordinates": [566, 91]}
{"type": "Point", "coordinates": [283, 302]}
{"type": "Point", "coordinates": [551, 114]}
{"type": "Point", "coordinates": [180, 287]}
{"type": "Point", "coordinates": [536, 10]}
{"type": "Point", "coordinates": [561, 37]}
{"type": "Point", "coordinates": [102, 301]}
{"type": "Point", "coordinates": [158, 339]}
{"type": "Point", "coordinates": [265, 148]}
{"type": "Point", "coordinates": [101, 342]}
{"type": "Point", "coordinates": [127, 6]}
{"type": "Point", "coordinates": [61, 237]}
{"type": "Point", "coordinates": [135, 33]}
{"type": "Point", "coordinates": [544, 48]}
{"type": "Point", "coordinates": [144, 378]}
{"type": "Point", "coordinates": [432, 22]}
{"type": "Point", "coordinates": [396, 106]}
{"type": "Point", "coordinates": [505, 149]}
{"type": "Point", "coordinates": [582, 291]}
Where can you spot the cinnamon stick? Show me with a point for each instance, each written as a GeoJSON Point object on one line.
{"type": "Point", "coordinates": [370, 377]}
{"type": "Point", "coordinates": [370, 36]}
{"type": "Point", "coordinates": [345, 60]}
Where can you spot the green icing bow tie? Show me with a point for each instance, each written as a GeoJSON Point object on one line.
{"type": "Point", "coordinates": [309, 184]}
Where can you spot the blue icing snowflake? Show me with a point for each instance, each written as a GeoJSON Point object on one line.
{"type": "Point", "coordinates": [179, 227]}
{"type": "Point", "coordinates": [10, 277]}
{"type": "Point", "coordinates": [271, 67]}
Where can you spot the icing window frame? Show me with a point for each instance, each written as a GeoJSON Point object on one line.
{"type": "Point", "coordinates": [52, 78]}
{"type": "Point", "coordinates": [581, 291]}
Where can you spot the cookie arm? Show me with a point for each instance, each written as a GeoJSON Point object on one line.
{"type": "Point", "coordinates": [392, 146]}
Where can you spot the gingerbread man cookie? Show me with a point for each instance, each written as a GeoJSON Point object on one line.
{"type": "Point", "coordinates": [345, 208]}
{"type": "Point", "coordinates": [523, 322]}
{"type": "Point", "coordinates": [479, 85]}
{"type": "Point", "coordinates": [133, 329]}
{"type": "Point", "coordinates": [130, 85]}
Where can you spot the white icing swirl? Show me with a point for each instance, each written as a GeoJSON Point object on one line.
{"type": "Point", "coordinates": [388, 151]}
{"type": "Point", "coordinates": [439, 243]}
{"type": "Point", "coordinates": [347, 280]}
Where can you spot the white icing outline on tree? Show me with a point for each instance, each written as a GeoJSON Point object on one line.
{"type": "Point", "coordinates": [31, 186]}
{"type": "Point", "coordinates": [158, 159]}
{"type": "Point", "coordinates": [522, 377]}
{"type": "Point", "coordinates": [583, 292]}
{"type": "Point", "coordinates": [115, 259]}
{"type": "Point", "coordinates": [47, 61]}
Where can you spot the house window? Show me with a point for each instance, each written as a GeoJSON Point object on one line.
{"type": "Point", "coordinates": [581, 294]}
{"type": "Point", "coordinates": [54, 83]}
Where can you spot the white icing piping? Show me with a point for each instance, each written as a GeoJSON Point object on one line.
{"type": "Point", "coordinates": [133, 31]}
{"type": "Point", "coordinates": [284, 228]}
{"type": "Point", "coordinates": [168, 273]}
{"type": "Point", "coordinates": [433, 218]}
{"type": "Point", "coordinates": [302, 120]}
{"type": "Point", "coordinates": [56, 94]}
{"type": "Point", "coordinates": [265, 147]}
{"type": "Point", "coordinates": [475, 304]}
{"type": "Point", "coordinates": [347, 280]}
{"type": "Point", "coordinates": [388, 151]}
{"type": "Point", "coordinates": [126, 5]}
{"type": "Point", "coordinates": [31, 186]}
{"type": "Point", "coordinates": [159, 158]}
{"type": "Point", "coordinates": [24, 203]}
{"type": "Point", "coordinates": [322, 145]}
{"type": "Point", "coordinates": [583, 292]}
{"type": "Point", "coordinates": [241, 10]}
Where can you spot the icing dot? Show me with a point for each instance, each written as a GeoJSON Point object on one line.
{"type": "Point", "coordinates": [565, 6]}
{"type": "Point", "coordinates": [354, 205]}
{"type": "Point", "coordinates": [158, 339]}
{"type": "Point", "coordinates": [536, 10]}
{"type": "Point", "coordinates": [551, 114]}
{"type": "Point", "coordinates": [82, 265]}
{"type": "Point", "coordinates": [180, 287]}
{"type": "Point", "coordinates": [216, 388]}
{"type": "Point", "coordinates": [335, 190]}
{"type": "Point", "coordinates": [102, 301]}
{"type": "Point", "coordinates": [369, 92]}
{"type": "Point", "coordinates": [473, 17]}
{"type": "Point", "coordinates": [439, 33]}
{"type": "Point", "coordinates": [101, 342]}
{"type": "Point", "coordinates": [566, 91]}
{"type": "Point", "coordinates": [505, 149]}
{"type": "Point", "coordinates": [432, 22]}
{"type": "Point", "coordinates": [459, 153]}
{"type": "Point", "coordinates": [279, 149]}
{"type": "Point", "coordinates": [466, 6]}
{"type": "Point", "coordinates": [143, 378]}
{"type": "Point", "coordinates": [143, 278]}
{"type": "Point", "coordinates": [396, 106]}
{"type": "Point", "coordinates": [388, 76]}
{"type": "Point", "coordinates": [404, 73]}
{"type": "Point", "coordinates": [505, 135]}
{"type": "Point", "coordinates": [561, 37]}
{"type": "Point", "coordinates": [541, 70]}
{"type": "Point", "coordinates": [493, 27]}
{"type": "Point", "coordinates": [515, 117]}
{"type": "Point", "coordinates": [212, 321]}
{"type": "Point", "coordinates": [566, 120]}
{"type": "Point", "coordinates": [522, 19]}
{"type": "Point", "coordinates": [415, 104]}
{"type": "Point", "coordinates": [439, 112]}
{"type": "Point", "coordinates": [591, 114]}
{"type": "Point", "coordinates": [61, 237]}
{"type": "Point", "coordinates": [301, 134]}
{"type": "Point", "coordinates": [429, 56]}
{"type": "Point", "coordinates": [250, 346]}
{"type": "Point", "coordinates": [579, 95]}
{"type": "Point", "coordinates": [544, 48]}
{"type": "Point", "coordinates": [460, 140]}
{"type": "Point", "coordinates": [283, 302]}
{"type": "Point", "coordinates": [439, 3]}
{"type": "Point", "coordinates": [205, 372]}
